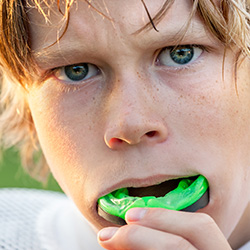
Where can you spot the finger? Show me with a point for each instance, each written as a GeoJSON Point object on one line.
{"type": "Point", "coordinates": [197, 228]}
{"type": "Point", "coordinates": [136, 237]}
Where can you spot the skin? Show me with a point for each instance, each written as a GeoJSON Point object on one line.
{"type": "Point", "coordinates": [137, 122]}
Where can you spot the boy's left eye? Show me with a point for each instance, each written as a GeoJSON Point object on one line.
{"type": "Point", "coordinates": [77, 72]}
{"type": "Point", "coordinates": [179, 55]}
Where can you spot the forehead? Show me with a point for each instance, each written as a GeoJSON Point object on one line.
{"type": "Point", "coordinates": [116, 16]}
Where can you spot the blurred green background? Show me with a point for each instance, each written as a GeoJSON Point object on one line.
{"type": "Point", "coordinates": [12, 174]}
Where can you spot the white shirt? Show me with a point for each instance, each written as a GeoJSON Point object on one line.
{"type": "Point", "coordinates": [245, 247]}
{"type": "Point", "coordinates": [42, 220]}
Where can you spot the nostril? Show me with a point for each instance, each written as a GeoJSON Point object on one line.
{"type": "Point", "coordinates": [113, 141]}
{"type": "Point", "coordinates": [117, 138]}
{"type": "Point", "coordinates": [151, 133]}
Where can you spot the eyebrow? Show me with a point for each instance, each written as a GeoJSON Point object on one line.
{"type": "Point", "coordinates": [179, 33]}
{"type": "Point", "coordinates": [165, 37]}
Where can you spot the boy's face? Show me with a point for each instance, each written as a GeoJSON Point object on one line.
{"type": "Point", "coordinates": [135, 114]}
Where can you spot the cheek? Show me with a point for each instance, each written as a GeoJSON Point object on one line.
{"type": "Point", "coordinates": [220, 106]}
{"type": "Point", "coordinates": [231, 180]}
{"type": "Point", "coordinates": [65, 131]}
{"type": "Point", "coordinates": [58, 147]}
{"type": "Point", "coordinates": [215, 124]}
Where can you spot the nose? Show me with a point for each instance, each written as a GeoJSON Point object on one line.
{"type": "Point", "coordinates": [133, 117]}
{"type": "Point", "coordinates": [132, 133]}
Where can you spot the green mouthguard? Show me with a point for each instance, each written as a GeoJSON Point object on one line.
{"type": "Point", "coordinates": [187, 193]}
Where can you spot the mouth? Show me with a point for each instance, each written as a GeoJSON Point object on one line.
{"type": "Point", "coordinates": [186, 194]}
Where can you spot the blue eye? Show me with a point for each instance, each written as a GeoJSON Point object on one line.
{"type": "Point", "coordinates": [180, 55]}
{"type": "Point", "coordinates": [77, 72]}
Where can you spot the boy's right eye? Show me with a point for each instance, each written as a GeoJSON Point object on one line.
{"type": "Point", "coordinates": [76, 72]}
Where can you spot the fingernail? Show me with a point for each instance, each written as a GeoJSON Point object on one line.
{"type": "Point", "coordinates": [135, 214]}
{"type": "Point", "coordinates": [107, 233]}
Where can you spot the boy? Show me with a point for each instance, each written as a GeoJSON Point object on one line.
{"type": "Point", "coordinates": [116, 101]}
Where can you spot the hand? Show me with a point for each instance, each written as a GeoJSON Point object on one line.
{"type": "Point", "coordinates": [157, 228]}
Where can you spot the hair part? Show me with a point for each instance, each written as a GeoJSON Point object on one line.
{"type": "Point", "coordinates": [229, 22]}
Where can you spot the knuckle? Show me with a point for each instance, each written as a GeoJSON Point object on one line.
{"type": "Point", "coordinates": [155, 215]}
{"type": "Point", "coordinates": [204, 220]}
{"type": "Point", "coordinates": [129, 233]}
